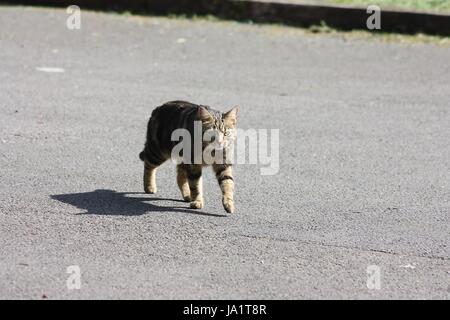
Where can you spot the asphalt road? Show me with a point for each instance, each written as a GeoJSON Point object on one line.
{"type": "Point", "coordinates": [364, 173]}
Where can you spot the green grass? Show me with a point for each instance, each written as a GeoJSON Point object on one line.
{"type": "Point", "coordinates": [434, 5]}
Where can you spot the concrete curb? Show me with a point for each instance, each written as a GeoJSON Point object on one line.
{"type": "Point", "coordinates": [305, 15]}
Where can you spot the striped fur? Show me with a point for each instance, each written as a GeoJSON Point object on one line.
{"type": "Point", "coordinates": [158, 147]}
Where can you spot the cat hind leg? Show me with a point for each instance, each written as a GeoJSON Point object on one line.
{"type": "Point", "coordinates": [151, 163]}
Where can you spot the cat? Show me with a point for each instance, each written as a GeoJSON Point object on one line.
{"type": "Point", "coordinates": [158, 148]}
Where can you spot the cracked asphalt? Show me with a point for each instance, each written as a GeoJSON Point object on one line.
{"type": "Point", "coordinates": [364, 175]}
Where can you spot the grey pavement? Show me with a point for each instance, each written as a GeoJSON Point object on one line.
{"type": "Point", "coordinates": [364, 161]}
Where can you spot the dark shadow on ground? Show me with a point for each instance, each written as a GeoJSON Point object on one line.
{"type": "Point", "coordinates": [110, 202]}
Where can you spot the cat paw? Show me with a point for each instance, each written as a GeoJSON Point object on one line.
{"type": "Point", "coordinates": [229, 206]}
{"type": "Point", "coordinates": [149, 189]}
{"type": "Point", "coordinates": [187, 198]}
{"type": "Point", "coordinates": [197, 204]}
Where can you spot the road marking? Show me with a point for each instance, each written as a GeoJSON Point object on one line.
{"type": "Point", "coordinates": [50, 69]}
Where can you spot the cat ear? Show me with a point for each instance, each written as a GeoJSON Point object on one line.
{"type": "Point", "coordinates": [231, 116]}
{"type": "Point", "coordinates": [203, 114]}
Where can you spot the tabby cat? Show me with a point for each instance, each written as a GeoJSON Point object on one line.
{"type": "Point", "coordinates": [158, 148]}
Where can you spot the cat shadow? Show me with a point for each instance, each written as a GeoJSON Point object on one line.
{"type": "Point", "coordinates": [110, 202]}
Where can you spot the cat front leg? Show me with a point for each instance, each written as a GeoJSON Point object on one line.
{"type": "Point", "coordinates": [182, 182]}
{"type": "Point", "coordinates": [224, 175]}
{"type": "Point", "coordinates": [194, 175]}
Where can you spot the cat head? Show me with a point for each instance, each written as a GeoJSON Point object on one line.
{"type": "Point", "coordinates": [222, 124]}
